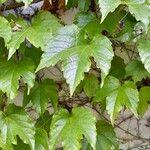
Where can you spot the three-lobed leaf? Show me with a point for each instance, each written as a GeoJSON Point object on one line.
{"type": "Point", "coordinates": [76, 57]}
{"type": "Point", "coordinates": [10, 73]}
{"type": "Point", "coordinates": [14, 121]}
{"type": "Point", "coordinates": [70, 127]}
{"type": "Point", "coordinates": [38, 32]}
{"type": "Point", "coordinates": [118, 96]}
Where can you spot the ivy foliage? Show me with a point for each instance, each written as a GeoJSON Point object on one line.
{"type": "Point", "coordinates": [104, 56]}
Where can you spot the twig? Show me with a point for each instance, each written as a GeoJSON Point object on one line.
{"type": "Point", "coordinates": [15, 5]}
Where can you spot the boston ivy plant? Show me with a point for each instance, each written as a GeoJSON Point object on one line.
{"type": "Point", "coordinates": [104, 56]}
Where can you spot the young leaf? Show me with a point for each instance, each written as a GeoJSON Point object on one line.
{"type": "Point", "coordinates": [11, 71]}
{"type": "Point", "coordinates": [107, 6]}
{"type": "Point", "coordinates": [41, 140]}
{"type": "Point", "coordinates": [14, 121]}
{"type": "Point", "coordinates": [136, 69]}
{"type": "Point", "coordinates": [144, 53]}
{"type": "Point", "coordinates": [5, 29]}
{"type": "Point", "coordinates": [91, 84]}
{"type": "Point", "coordinates": [144, 96]}
{"type": "Point", "coordinates": [106, 137]}
{"type": "Point", "coordinates": [119, 96]}
{"type": "Point", "coordinates": [39, 32]}
{"type": "Point", "coordinates": [71, 127]}
{"type": "Point", "coordinates": [41, 93]}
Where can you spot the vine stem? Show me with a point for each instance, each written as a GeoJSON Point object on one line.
{"type": "Point", "coordinates": [15, 5]}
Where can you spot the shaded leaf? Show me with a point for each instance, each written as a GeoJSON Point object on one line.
{"type": "Point", "coordinates": [11, 71]}
{"type": "Point", "coordinates": [117, 68]}
{"type": "Point", "coordinates": [71, 128]}
{"type": "Point", "coordinates": [44, 121]}
{"type": "Point", "coordinates": [136, 69]}
{"type": "Point", "coordinates": [21, 145]}
{"type": "Point", "coordinates": [106, 137]}
{"type": "Point", "coordinates": [140, 10]}
{"type": "Point", "coordinates": [144, 96]}
{"type": "Point", "coordinates": [41, 94]}
{"type": "Point", "coordinates": [14, 121]}
{"type": "Point", "coordinates": [41, 140]}
{"type": "Point", "coordinates": [107, 6]}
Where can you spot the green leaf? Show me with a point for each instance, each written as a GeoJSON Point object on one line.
{"type": "Point", "coordinates": [117, 68]}
{"type": "Point", "coordinates": [26, 2]}
{"type": "Point", "coordinates": [21, 145]}
{"type": "Point", "coordinates": [14, 121]}
{"type": "Point", "coordinates": [84, 5]}
{"type": "Point", "coordinates": [39, 32]}
{"type": "Point", "coordinates": [106, 137]}
{"type": "Point", "coordinates": [5, 29]}
{"type": "Point", "coordinates": [71, 127]}
{"type": "Point", "coordinates": [107, 6]}
{"type": "Point", "coordinates": [41, 140]}
{"type": "Point", "coordinates": [119, 96]}
{"type": "Point", "coordinates": [144, 53]}
{"type": "Point", "coordinates": [41, 93]}
{"type": "Point", "coordinates": [65, 38]}
{"type": "Point", "coordinates": [140, 10]}
{"type": "Point", "coordinates": [11, 71]}
{"type": "Point", "coordinates": [44, 121]}
{"type": "Point", "coordinates": [111, 84]}
{"type": "Point", "coordinates": [76, 59]}
{"type": "Point", "coordinates": [2, 1]}
{"type": "Point", "coordinates": [32, 53]}
{"type": "Point", "coordinates": [91, 84]}
{"type": "Point", "coordinates": [144, 96]}
{"type": "Point", "coordinates": [136, 69]}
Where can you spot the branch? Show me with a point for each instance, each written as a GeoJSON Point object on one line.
{"type": "Point", "coordinates": [15, 5]}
